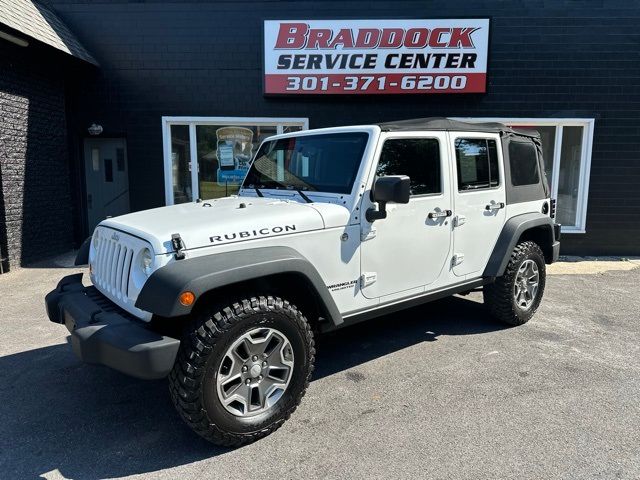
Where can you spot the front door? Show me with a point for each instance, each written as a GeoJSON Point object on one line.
{"type": "Point", "coordinates": [479, 200]}
{"type": "Point", "coordinates": [409, 249]}
{"type": "Point", "coordinates": [107, 179]}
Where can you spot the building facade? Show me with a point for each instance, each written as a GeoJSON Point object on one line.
{"type": "Point", "coordinates": [178, 82]}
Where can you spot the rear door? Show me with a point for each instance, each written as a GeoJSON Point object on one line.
{"type": "Point", "coordinates": [107, 179]}
{"type": "Point", "coordinates": [479, 199]}
{"type": "Point", "coordinates": [408, 249]}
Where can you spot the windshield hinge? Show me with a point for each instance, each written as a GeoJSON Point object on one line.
{"type": "Point", "coordinates": [178, 246]}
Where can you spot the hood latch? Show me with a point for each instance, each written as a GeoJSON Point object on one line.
{"type": "Point", "coordinates": [178, 246]}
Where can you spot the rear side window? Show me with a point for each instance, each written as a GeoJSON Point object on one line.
{"type": "Point", "coordinates": [524, 164]}
{"type": "Point", "coordinates": [419, 158]}
{"type": "Point", "coordinates": [477, 162]}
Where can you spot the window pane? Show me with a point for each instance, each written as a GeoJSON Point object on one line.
{"type": "Point", "coordinates": [224, 156]}
{"type": "Point", "coordinates": [548, 140]}
{"type": "Point", "coordinates": [477, 162]}
{"type": "Point", "coordinates": [569, 176]}
{"type": "Point", "coordinates": [291, 128]}
{"type": "Point", "coordinates": [120, 159]}
{"type": "Point", "coordinates": [180, 159]}
{"type": "Point", "coordinates": [108, 170]}
{"type": "Point", "coordinates": [324, 163]}
{"type": "Point", "coordinates": [419, 158]}
{"type": "Point", "coordinates": [524, 163]}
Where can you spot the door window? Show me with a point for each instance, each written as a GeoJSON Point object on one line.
{"type": "Point", "coordinates": [477, 163]}
{"type": "Point", "coordinates": [419, 158]}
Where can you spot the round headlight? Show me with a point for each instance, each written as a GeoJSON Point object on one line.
{"type": "Point", "coordinates": [146, 259]}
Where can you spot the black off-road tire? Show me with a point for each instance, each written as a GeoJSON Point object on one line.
{"type": "Point", "coordinates": [192, 382]}
{"type": "Point", "coordinates": [499, 296]}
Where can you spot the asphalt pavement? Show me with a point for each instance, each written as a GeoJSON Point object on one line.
{"type": "Point", "coordinates": [436, 392]}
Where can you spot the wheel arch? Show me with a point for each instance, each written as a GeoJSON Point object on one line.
{"type": "Point", "coordinates": [279, 271]}
{"type": "Point", "coordinates": [529, 226]}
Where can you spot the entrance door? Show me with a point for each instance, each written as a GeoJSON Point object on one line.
{"type": "Point", "coordinates": [409, 248]}
{"type": "Point", "coordinates": [107, 179]}
{"type": "Point", "coordinates": [479, 200]}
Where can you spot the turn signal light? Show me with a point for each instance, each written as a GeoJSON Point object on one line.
{"type": "Point", "coordinates": [187, 298]}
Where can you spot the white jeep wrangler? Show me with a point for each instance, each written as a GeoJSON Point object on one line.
{"type": "Point", "coordinates": [331, 227]}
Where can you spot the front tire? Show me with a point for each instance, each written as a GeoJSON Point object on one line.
{"type": "Point", "coordinates": [516, 295]}
{"type": "Point", "coordinates": [242, 370]}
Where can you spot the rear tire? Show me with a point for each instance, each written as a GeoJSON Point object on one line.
{"type": "Point", "coordinates": [265, 342]}
{"type": "Point", "coordinates": [516, 295]}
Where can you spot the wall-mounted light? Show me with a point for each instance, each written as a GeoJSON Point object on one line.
{"type": "Point", "coordinates": [13, 39]}
{"type": "Point", "coordinates": [95, 129]}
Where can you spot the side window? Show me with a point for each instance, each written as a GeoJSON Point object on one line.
{"type": "Point", "coordinates": [477, 162]}
{"type": "Point", "coordinates": [524, 164]}
{"type": "Point", "coordinates": [419, 158]}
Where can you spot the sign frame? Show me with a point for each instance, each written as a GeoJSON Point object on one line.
{"type": "Point", "coordinates": [481, 87]}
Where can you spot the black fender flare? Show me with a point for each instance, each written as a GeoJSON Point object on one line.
{"type": "Point", "coordinates": [509, 236]}
{"type": "Point", "coordinates": [82, 258]}
{"type": "Point", "coordinates": [199, 275]}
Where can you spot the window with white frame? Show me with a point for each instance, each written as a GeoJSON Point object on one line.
{"type": "Point", "coordinates": [208, 157]}
{"type": "Point", "coordinates": [566, 148]}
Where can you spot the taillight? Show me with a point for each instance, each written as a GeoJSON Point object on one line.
{"type": "Point", "coordinates": [552, 213]}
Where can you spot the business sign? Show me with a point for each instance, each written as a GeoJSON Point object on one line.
{"type": "Point", "coordinates": [375, 56]}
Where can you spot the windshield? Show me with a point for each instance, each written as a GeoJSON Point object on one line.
{"type": "Point", "coordinates": [323, 163]}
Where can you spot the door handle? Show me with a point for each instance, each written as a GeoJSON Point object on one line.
{"type": "Point", "coordinates": [495, 206]}
{"type": "Point", "coordinates": [444, 213]}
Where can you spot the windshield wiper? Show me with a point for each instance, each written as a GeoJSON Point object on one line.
{"type": "Point", "coordinates": [301, 193]}
{"type": "Point", "coordinates": [258, 191]}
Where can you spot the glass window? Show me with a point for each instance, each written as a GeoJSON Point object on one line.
{"type": "Point", "coordinates": [523, 161]}
{"type": "Point", "coordinates": [291, 128]}
{"type": "Point", "coordinates": [326, 163]}
{"type": "Point", "coordinates": [180, 163]}
{"type": "Point", "coordinates": [569, 175]}
{"type": "Point", "coordinates": [419, 158]}
{"type": "Point", "coordinates": [477, 163]}
{"type": "Point", "coordinates": [108, 170]}
{"type": "Point", "coordinates": [224, 156]}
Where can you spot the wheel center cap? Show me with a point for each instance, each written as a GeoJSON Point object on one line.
{"type": "Point", "coordinates": [255, 370]}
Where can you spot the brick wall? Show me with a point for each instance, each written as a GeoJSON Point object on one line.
{"type": "Point", "coordinates": [35, 203]}
{"type": "Point", "coordinates": [563, 58]}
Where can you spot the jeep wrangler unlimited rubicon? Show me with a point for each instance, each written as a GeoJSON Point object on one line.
{"type": "Point", "coordinates": [330, 227]}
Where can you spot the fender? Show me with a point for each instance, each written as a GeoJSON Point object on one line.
{"type": "Point", "coordinates": [82, 258]}
{"type": "Point", "coordinates": [511, 233]}
{"type": "Point", "coordinates": [160, 293]}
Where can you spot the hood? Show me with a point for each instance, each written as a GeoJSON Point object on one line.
{"type": "Point", "coordinates": [225, 220]}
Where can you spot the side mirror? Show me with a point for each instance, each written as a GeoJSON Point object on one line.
{"type": "Point", "coordinates": [392, 188]}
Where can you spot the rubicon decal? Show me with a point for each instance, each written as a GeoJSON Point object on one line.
{"type": "Point", "coordinates": [375, 56]}
{"type": "Point", "coordinates": [246, 234]}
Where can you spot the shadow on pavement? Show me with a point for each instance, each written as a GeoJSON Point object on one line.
{"type": "Point", "coordinates": [92, 422]}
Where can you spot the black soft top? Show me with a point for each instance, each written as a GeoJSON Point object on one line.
{"type": "Point", "coordinates": [446, 124]}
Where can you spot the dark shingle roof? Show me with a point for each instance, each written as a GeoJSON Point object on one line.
{"type": "Point", "coordinates": [40, 23]}
{"type": "Point", "coordinates": [441, 123]}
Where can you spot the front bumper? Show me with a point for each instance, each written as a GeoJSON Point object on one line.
{"type": "Point", "coordinates": [102, 333]}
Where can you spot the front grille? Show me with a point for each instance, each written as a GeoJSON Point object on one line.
{"type": "Point", "coordinates": [105, 304]}
{"type": "Point", "coordinates": [112, 265]}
